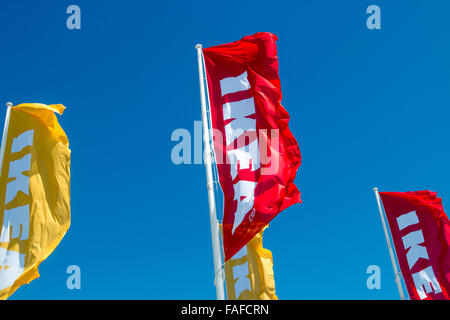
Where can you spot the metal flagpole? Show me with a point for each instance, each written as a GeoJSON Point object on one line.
{"type": "Point", "coordinates": [5, 134]}
{"type": "Point", "coordinates": [215, 235]}
{"type": "Point", "coordinates": [388, 241]}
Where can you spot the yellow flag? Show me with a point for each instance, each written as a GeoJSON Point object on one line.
{"type": "Point", "coordinates": [34, 192]}
{"type": "Point", "coordinates": [249, 273]}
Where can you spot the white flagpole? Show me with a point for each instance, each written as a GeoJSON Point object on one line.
{"type": "Point", "coordinates": [5, 134]}
{"type": "Point", "coordinates": [215, 235]}
{"type": "Point", "coordinates": [391, 252]}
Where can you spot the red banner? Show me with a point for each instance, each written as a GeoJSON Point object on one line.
{"type": "Point", "coordinates": [421, 233]}
{"type": "Point", "coordinates": [256, 154]}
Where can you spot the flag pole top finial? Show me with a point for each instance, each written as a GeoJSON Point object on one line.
{"type": "Point", "coordinates": [198, 46]}
{"type": "Point", "coordinates": [375, 189]}
{"type": "Point", "coordinates": [9, 104]}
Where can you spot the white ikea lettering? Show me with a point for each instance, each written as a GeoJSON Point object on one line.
{"type": "Point", "coordinates": [240, 254]}
{"type": "Point", "coordinates": [244, 193]}
{"type": "Point", "coordinates": [238, 109]}
{"type": "Point", "coordinates": [244, 156]}
{"type": "Point", "coordinates": [238, 127]}
{"type": "Point", "coordinates": [240, 273]}
{"type": "Point", "coordinates": [16, 223]}
{"type": "Point", "coordinates": [11, 267]}
{"type": "Point", "coordinates": [16, 220]}
{"type": "Point", "coordinates": [406, 220]}
{"type": "Point", "coordinates": [425, 282]}
{"type": "Point", "coordinates": [21, 182]}
{"type": "Point", "coordinates": [25, 139]}
{"type": "Point", "coordinates": [17, 167]}
{"type": "Point", "coordinates": [234, 84]}
{"type": "Point", "coordinates": [412, 242]}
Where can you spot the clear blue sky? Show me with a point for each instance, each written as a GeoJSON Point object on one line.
{"type": "Point", "coordinates": [368, 107]}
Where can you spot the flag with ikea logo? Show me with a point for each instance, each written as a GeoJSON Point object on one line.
{"type": "Point", "coordinates": [34, 192]}
{"type": "Point", "coordinates": [249, 273]}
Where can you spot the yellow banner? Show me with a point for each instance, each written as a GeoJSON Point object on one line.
{"type": "Point", "coordinates": [34, 192]}
{"type": "Point", "coordinates": [249, 273]}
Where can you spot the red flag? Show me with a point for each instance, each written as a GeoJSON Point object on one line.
{"type": "Point", "coordinates": [421, 233]}
{"type": "Point", "coordinates": [256, 154]}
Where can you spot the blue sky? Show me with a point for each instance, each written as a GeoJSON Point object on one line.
{"type": "Point", "coordinates": [368, 108]}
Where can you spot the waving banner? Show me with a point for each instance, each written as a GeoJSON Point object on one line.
{"type": "Point", "coordinates": [256, 154]}
{"type": "Point", "coordinates": [249, 273]}
{"type": "Point", "coordinates": [34, 192]}
{"type": "Point", "coordinates": [421, 233]}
